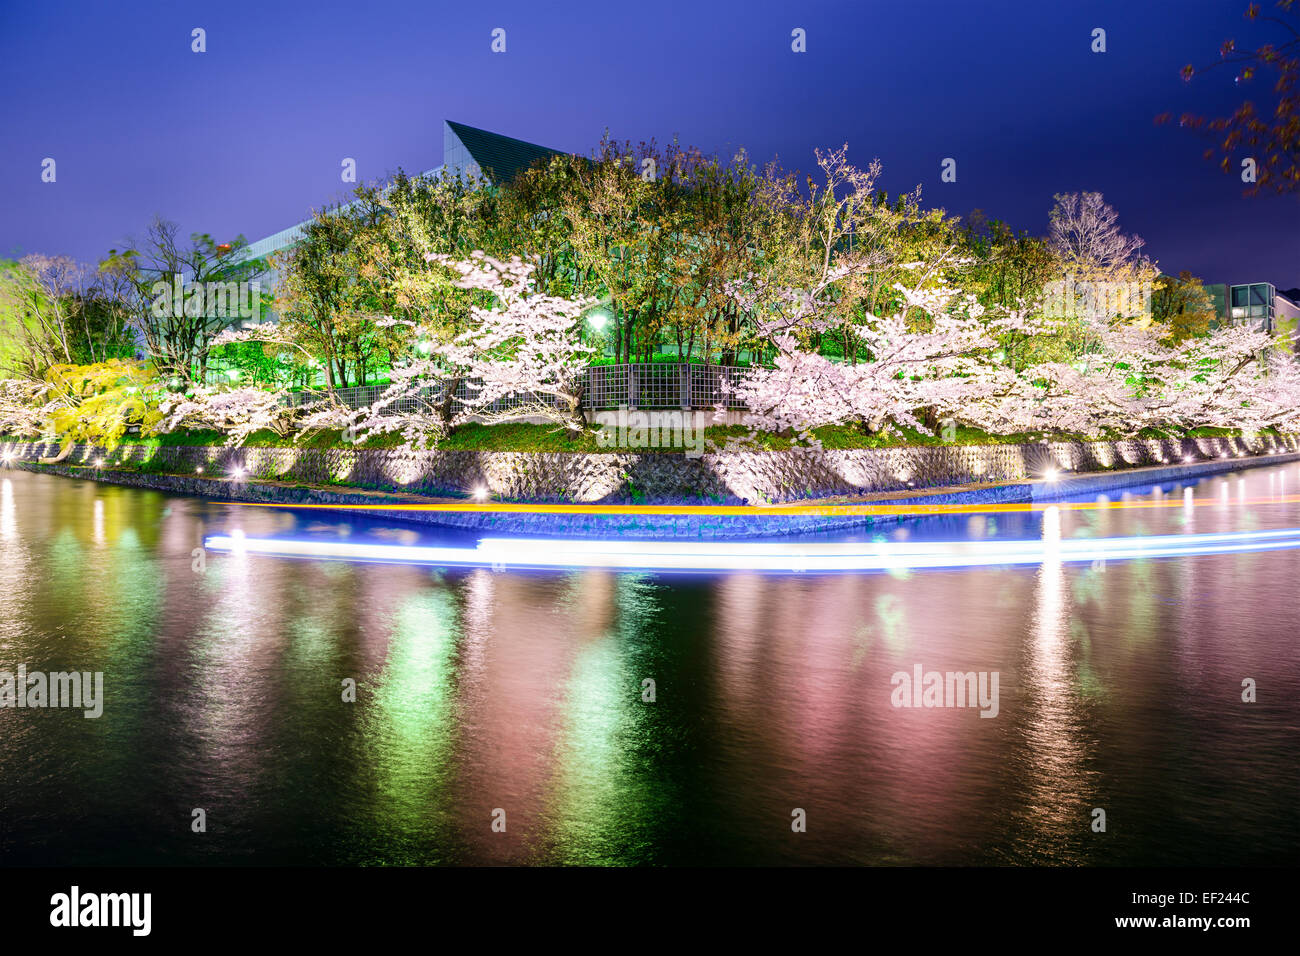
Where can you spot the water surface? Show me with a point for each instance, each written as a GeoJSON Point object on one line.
{"type": "Point", "coordinates": [480, 690]}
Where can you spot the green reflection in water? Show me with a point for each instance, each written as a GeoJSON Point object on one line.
{"type": "Point", "coordinates": [1088, 682]}
{"type": "Point", "coordinates": [406, 740]}
{"type": "Point", "coordinates": [893, 626]}
{"type": "Point", "coordinates": [608, 796]}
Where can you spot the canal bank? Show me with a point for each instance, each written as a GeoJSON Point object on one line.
{"type": "Point", "coordinates": [266, 477]}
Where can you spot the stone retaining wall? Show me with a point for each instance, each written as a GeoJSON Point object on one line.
{"type": "Point", "coordinates": [664, 476]}
{"type": "Point", "coordinates": [753, 477]}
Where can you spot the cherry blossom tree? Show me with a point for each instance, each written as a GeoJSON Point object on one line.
{"type": "Point", "coordinates": [1274, 396]}
{"type": "Point", "coordinates": [937, 357]}
{"type": "Point", "coordinates": [1085, 233]}
{"type": "Point", "coordinates": [932, 353]}
{"type": "Point", "coordinates": [1134, 380]}
{"type": "Point", "coordinates": [525, 357]}
{"type": "Point", "coordinates": [414, 404]}
{"type": "Point", "coordinates": [237, 413]}
{"type": "Point", "coordinates": [26, 407]}
{"type": "Point", "coordinates": [522, 360]}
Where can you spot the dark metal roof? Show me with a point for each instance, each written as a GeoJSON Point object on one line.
{"type": "Point", "coordinates": [501, 158]}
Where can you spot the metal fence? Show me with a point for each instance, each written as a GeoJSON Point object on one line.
{"type": "Point", "coordinates": [661, 385]}
{"type": "Point", "coordinates": [639, 385]}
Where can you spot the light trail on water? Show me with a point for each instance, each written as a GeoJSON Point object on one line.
{"type": "Point", "coordinates": [533, 554]}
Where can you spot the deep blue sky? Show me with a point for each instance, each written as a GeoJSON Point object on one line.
{"type": "Point", "coordinates": [248, 136]}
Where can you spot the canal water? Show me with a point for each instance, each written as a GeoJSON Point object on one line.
{"type": "Point", "coordinates": [505, 716]}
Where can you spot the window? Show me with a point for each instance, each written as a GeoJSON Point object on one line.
{"type": "Point", "coordinates": [1254, 304]}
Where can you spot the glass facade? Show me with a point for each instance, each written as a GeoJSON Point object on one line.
{"type": "Point", "coordinates": [1253, 304]}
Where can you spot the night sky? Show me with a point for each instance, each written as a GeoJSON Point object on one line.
{"type": "Point", "coordinates": [248, 137]}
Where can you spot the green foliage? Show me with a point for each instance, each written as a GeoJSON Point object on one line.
{"type": "Point", "coordinates": [101, 401]}
{"type": "Point", "coordinates": [256, 363]}
{"type": "Point", "coordinates": [177, 336]}
{"type": "Point", "coordinates": [17, 323]}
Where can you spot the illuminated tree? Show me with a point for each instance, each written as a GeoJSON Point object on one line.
{"type": "Point", "coordinates": [1085, 235]}
{"type": "Point", "coordinates": [36, 303]}
{"type": "Point", "coordinates": [215, 285]}
{"type": "Point", "coordinates": [525, 352]}
{"type": "Point", "coordinates": [96, 404]}
{"type": "Point", "coordinates": [25, 408]}
{"type": "Point", "coordinates": [238, 413]}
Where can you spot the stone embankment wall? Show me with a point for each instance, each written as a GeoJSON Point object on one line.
{"type": "Point", "coordinates": [725, 477]}
{"type": "Point", "coordinates": [995, 474]}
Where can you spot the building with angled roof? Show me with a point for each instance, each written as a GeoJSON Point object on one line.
{"type": "Point", "coordinates": [491, 156]}
{"type": "Point", "coordinates": [466, 151]}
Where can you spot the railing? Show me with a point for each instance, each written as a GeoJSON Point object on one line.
{"type": "Point", "coordinates": [640, 385]}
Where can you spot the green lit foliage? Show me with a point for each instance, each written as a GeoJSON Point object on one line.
{"type": "Point", "coordinates": [55, 310]}
{"type": "Point", "coordinates": [338, 285]}
{"type": "Point", "coordinates": [177, 339]}
{"type": "Point", "coordinates": [261, 364]}
{"type": "Point", "coordinates": [99, 402]}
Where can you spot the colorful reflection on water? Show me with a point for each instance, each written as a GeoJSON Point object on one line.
{"type": "Point", "coordinates": [484, 691]}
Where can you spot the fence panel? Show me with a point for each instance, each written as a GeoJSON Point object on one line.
{"type": "Point", "coordinates": [606, 386]}
{"type": "Point", "coordinates": [638, 385]}
{"type": "Point", "coordinates": [657, 385]}
{"type": "Point", "coordinates": [707, 385]}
